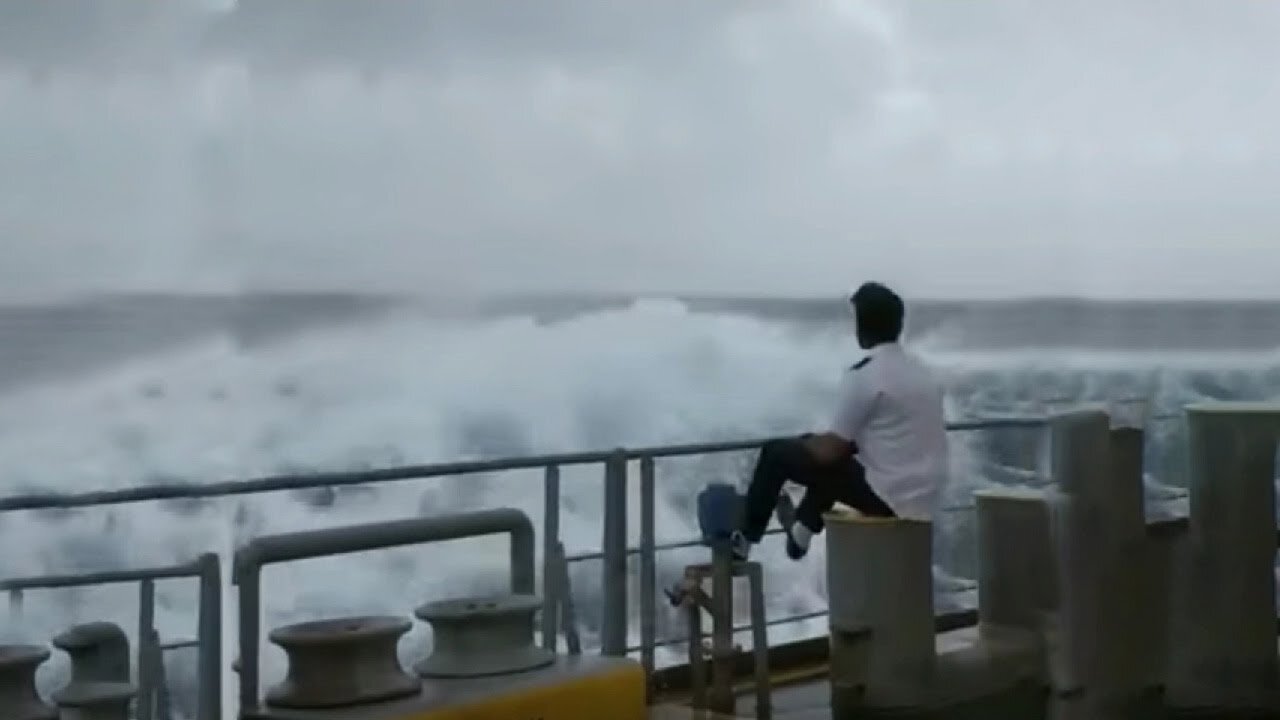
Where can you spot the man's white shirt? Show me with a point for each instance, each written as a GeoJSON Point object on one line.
{"type": "Point", "coordinates": [892, 408]}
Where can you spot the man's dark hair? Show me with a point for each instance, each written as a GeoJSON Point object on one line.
{"type": "Point", "coordinates": [879, 313]}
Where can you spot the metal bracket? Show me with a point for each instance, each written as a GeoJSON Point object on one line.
{"type": "Point", "coordinates": [722, 653]}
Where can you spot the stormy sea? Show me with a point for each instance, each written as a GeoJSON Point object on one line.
{"type": "Point", "coordinates": [120, 391]}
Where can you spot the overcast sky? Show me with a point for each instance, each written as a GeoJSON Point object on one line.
{"type": "Point", "coordinates": [955, 149]}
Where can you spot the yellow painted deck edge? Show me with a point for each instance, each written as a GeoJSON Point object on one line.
{"type": "Point", "coordinates": [615, 694]}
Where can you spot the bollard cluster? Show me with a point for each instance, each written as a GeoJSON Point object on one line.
{"type": "Point", "coordinates": [1084, 606]}
{"type": "Point", "coordinates": [98, 689]}
{"type": "Point", "coordinates": [348, 662]}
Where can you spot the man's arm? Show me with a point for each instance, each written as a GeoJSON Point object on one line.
{"type": "Point", "coordinates": [837, 444]}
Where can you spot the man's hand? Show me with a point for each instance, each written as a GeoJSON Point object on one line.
{"type": "Point", "coordinates": [829, 448]}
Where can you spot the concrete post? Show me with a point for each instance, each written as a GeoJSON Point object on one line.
{"type": "Point", "coordinates": [1079, 461]}
{"type": "Point", "coordinates": [1101, 544]}
{"type": "Point", "coordinates": [1017, 582]}
{"type": "Point", "coordinates": [18, 697]}
{"type": "Point", "coordinates": [880, 586]}
{"type": "Point", "coordinates": [1166, 542]}
{"type": "Point", "coordinates": [1225, 658]}
{"type": "Point", "coordinates": [1124, 615]}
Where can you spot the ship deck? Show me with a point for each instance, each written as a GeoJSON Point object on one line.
{"type": "Point", "coordinates": [808, 700]}
{"type": "Point", "coordinates": [799, 688]}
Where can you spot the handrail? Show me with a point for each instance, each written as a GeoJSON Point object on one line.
{"type": "Point", "coordinates": [307, 481]}
{"type": "Point", "coordinates": [284, 547]}
{"type": "Point", "coordinates": [109, 577]}
{"type": "Point", "coordinates": [208, 569]}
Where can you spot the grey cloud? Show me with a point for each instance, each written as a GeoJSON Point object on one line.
{"type": "Point", "coordinates": [766, 147]}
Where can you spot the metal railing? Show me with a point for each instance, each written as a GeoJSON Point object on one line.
{"type": "Point", "coordinates": [207, 569]}
{"type": "Point", "coordinates": [614, 552]}
{"type": "Point", "coordinates": [286, 547]}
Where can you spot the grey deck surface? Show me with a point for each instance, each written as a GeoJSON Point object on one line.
{"type": "Point", "coordinates": [807, 701]}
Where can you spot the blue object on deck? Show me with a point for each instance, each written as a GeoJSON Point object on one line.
{"type": "Point", "coordinates": [719, 512]}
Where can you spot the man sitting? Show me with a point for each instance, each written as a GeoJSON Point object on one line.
{"type": "Point", "coordinates": [885, 453]}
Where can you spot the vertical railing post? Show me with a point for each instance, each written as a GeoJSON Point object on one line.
{"type": "Point", "coordinates": [648, 567]}
{"type": "Point", "coordinates": [551, 589]}
{"type": "Point", "coordinates": [568, 617]}
{"type": "Point", "coordinates": [209, 632]}
{"type": "Point", "coordinates": [146, 655]}
{"type": "Point", "coordinates": [15, 605]}
{"type": "Point", "coordinates": [613, 632]}
{"type": "Point", "coordinates": [723, 655]}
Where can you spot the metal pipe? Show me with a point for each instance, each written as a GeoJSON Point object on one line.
{"type": "Point", "coordinates": [250, 619]}
{"type": "Point", "coordinates": [648, 565]}
{"type": "Point", "coordinates": [693, 542]}
{"type": "Point", "coordinates": [568, 618]}
{"type": "Point", "coordinates": [550, 539]}
{"type": "Point", "coordinates": [613, 633]}
{"type": "Point", "coordinates": [277, 483]}
{"type": "Point", "coordinates": [667, 642]}
{"type": "Point", "coordinates": [209, 632]}
{"type": "Point", "coordinates": [269, 549]}
{"type": "Point", "coordinates": [146, 658]}
{"type": "Point", "coordinates": [721, 698]}
{"type": "Point", "coordinates": [47, 582]}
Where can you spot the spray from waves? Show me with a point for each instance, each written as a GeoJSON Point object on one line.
{"type": "Point", "coordinates": [410, 389]}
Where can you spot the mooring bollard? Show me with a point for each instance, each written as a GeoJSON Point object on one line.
{"type": "Point", "coordinates": [95, 701]}
{"type": "Point", "coordinates": [18, 697]}
{"type": "Point", "coordinates": [99, 653]}
{"type": "Point", "coordinates": [476, 637]}
{"type": "Point", "coordinates": [342, 662]}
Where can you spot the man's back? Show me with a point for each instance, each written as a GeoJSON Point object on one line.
{"type": "Point", "coordinates": [892, 408]}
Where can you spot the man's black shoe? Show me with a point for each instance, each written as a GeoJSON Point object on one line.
{"type": "Point", "coordinates": [740, 546]}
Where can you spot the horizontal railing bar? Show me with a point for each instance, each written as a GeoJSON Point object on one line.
{"type": "Point", "coordinates": [307, 481]}
{"type": "Point", "coordinates": [667, 642]}
{"type": "Point", "coordinates": [100, 578]}
{"type": "Point", "coordinates": [180, 644]}
{"type": "Point", "coordinates": [278, 483]}
{"type": "Point", "coordinates": [697, 542]}
{"type": "Point", "coordinates": [736, 445]}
